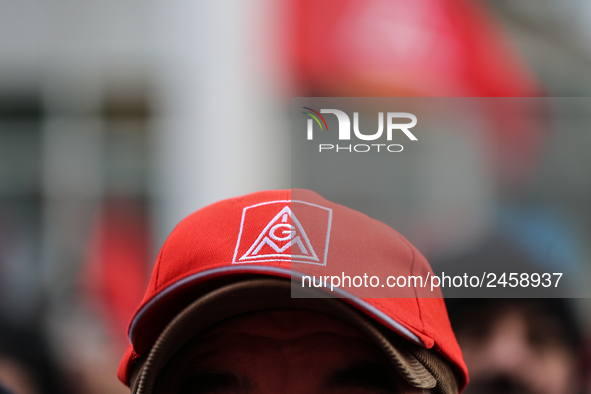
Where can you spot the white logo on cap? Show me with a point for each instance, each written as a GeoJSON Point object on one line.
{"type": "Point", "coordinates": [279, 229]}
{"type": "Point", "coordinates": [283, 237]}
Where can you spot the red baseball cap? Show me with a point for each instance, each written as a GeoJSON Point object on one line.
{"type": "Point", "coordinates": [287, 234]}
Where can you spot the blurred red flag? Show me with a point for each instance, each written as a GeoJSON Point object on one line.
{"type": "Point", "coordinates": [435, 48]}
{"type": "Point", "coordinates": [423, 48]}
{"type": "Point", "coordinates": [118, 262]}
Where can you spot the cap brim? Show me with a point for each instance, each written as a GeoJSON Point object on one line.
{"type": "Point", "coordinates": [271, 293]}
{"type": "Point", "coordinates": [153, 316]}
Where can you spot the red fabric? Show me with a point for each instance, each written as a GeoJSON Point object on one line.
{"type": "Point", "coordinates": [116, 271]}
{"type": "Point", "coordinates": [422, 48]}
{"type": "Point", "coordinates": [226, 234]}
{"type": "Point", "coordinates": [437, 48]}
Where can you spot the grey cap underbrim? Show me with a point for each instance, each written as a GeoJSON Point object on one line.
{"type": "Point", "coordinates": [418, 366]}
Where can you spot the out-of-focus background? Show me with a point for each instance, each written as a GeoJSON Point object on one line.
{"type": "Point", "coordinates": [117, 119]}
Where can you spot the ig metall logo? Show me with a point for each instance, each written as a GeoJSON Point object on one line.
{"type": "Point", "coordinates": [395, 122]}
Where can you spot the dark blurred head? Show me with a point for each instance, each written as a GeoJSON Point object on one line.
{"type": "Point", "coordinates": [26, 364]}
{"type": "Point", "coordinates": [518, 345]}
{"type": "Point", "coordinates": [514, 345]}
{"type": "Point", "coordinates": [3, 390]}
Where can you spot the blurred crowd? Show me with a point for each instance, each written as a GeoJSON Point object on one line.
{"type": "Point", "coordinates": [117, 121]}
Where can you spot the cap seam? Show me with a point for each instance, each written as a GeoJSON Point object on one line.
{"type": "Point", "coordinates": [412, 267]}
{"type": "Point", "coordinates": [158, 266]}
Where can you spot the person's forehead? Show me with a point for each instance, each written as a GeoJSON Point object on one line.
{"type": "Point", "coordinates": [294, 344]}
{"type": "Point", "coordinates": [299, 336]}
{"type": "Point", "coordinates": [284, 324]}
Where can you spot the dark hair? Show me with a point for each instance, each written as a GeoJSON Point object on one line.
{"type": "Point", "coordinates": [27, 346]}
